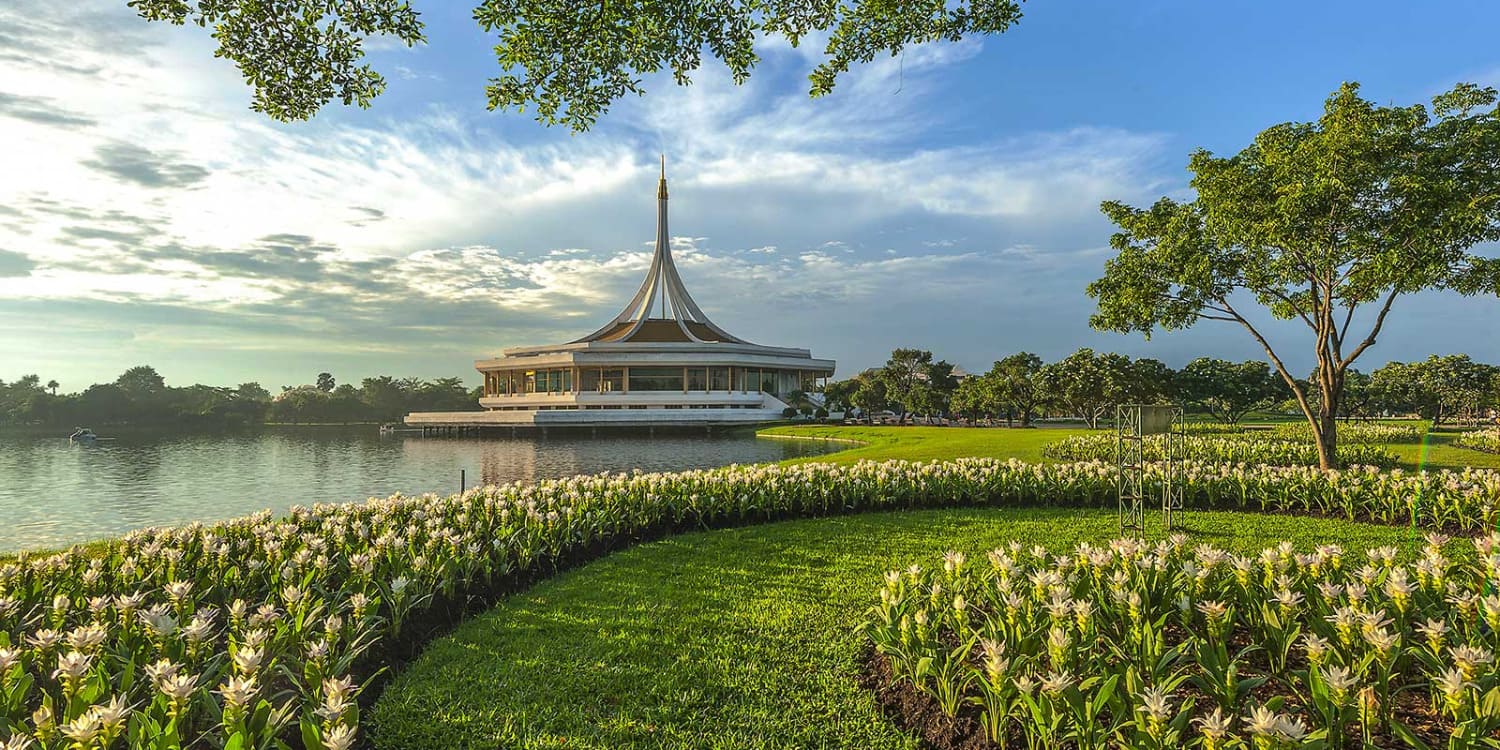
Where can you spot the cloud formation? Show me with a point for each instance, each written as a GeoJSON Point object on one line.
{"type": "Point", "coordinates": [149, 216]}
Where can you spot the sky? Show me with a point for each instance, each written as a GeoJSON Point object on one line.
{"type": "Point", "coordinates": [945, 199]}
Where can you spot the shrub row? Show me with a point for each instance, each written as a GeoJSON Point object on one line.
{"type": "Point", "coordinates": [262, 631]}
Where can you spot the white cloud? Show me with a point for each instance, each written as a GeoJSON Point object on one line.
{"type": "Point", "coordinates": [143, 179]}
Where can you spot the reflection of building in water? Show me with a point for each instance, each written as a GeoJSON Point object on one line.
{"type": "Point", "coordinates": [661, 361]}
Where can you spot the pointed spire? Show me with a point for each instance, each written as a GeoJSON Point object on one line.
{"type": "Point", "coordinates": [664, 286]}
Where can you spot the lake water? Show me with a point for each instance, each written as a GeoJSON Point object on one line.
{"type": "Point", "coordinates": [53, 493]}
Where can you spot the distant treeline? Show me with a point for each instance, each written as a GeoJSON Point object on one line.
{"type": "Point", "coordinates": [1087, 385]}
{"type": "Point", "coordinates": [140, 396]}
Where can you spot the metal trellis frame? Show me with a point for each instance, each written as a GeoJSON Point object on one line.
{"type": "Point", "coordinates": [1133, 424]}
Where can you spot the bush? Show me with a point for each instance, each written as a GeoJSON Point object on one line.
{"type": "Point", "coordinates": [789, 413]}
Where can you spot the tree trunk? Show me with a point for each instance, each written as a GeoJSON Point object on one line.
{"type": "Point", "coordinates": [1325, 428]}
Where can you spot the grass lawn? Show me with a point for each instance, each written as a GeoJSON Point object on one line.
{"type": "Point", "coordinates": [925, 443]}
{"type": "Point", "coordinates": [919, 443]}
{"type": "Point", "coordinates": [727, 639]}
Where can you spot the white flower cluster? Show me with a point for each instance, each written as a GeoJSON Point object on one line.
{"type": "Point", "coordinates": [262, 630]}
{"type": "Point", "coordinates": [1283, 649]}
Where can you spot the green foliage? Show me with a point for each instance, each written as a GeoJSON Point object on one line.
{"type": "Point", "coordinates": [140, 396]}
{"type": "Point", "coordinates": [1227, 390]}
{"type": "Point", "coordinates": [1295, 642]}
{"type": "Point", "coordinates": [1244, 448]}
{"type": "Point", "coordinates": [760, 648]}
{"type": "Point", "coordinates": [1317, 222]}
{"type": "Point", "coordinates": [297, 55]}
{"type": "Point", "coordinates": [1017, 385]}
{"type": "Point", "coordinates": [1089, 385]}
{"type": "Point", "coordinates": [1439, 388]}
{"type": "Point", "coordinates": [566, 61]}
{"type": "Point", "coordinates": [1480, 440]}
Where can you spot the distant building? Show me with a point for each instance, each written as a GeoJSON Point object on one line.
{"type": "Point", "coordinates": [661, 361]}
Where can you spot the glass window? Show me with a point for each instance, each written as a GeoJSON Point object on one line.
{"type": "Point", "coordinates": [611, 381]}
{"type": "Point", "coordinates": [530, 381]}
{"type": "Point", "coordinates": [697, 379]}
{"type": "Point", "coordinates": [588, 380]}
{"type": "Point", "coordinates": [656, 379]}
{"type": "Point", "coordinates": [718, 378]}
{"type": "Point", "coordinates": [752, 380]}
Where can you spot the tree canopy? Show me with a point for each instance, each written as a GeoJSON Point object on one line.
{"type": "Point", "coordinates": [1438, 388]}
{"type": "Point", "coordinates": [1326, 223]}
{"type": "Point", "coordinates": [564, 60]}
{"type": "Point", "coordinates": [1228, 390]}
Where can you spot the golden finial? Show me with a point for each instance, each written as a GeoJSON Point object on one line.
{"type": "Point", "coordinates": [661, 187]}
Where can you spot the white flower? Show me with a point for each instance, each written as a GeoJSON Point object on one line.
{"type": "Point", "coordinates": [340, 737]}
{"type": "Point", "coordinates": [238, 692]}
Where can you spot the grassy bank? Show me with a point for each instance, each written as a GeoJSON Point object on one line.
{"type": "Point", "coordinates": [728, 639]}
{"type": "Point", "coordinates": [919, 443]}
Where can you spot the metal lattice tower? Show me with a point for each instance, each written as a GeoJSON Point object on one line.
{"type": "Point", "coordinates": [1134, 423]}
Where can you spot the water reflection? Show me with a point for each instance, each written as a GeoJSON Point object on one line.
{"type": "Point", "coordinates": [53, 493]}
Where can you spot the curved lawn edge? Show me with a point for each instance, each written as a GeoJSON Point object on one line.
{"type": "Point", "coordinates": [729, 638]}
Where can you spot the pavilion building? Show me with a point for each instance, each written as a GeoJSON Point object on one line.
{"type": "Point", "coordinates": [660, 362]}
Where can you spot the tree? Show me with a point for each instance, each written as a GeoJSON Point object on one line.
{"type": "Point", "coordinates": [917, 384]}
{"type": "Point", "coordinates": [141, 381]}
{"type": "Point", "coordinates": [1228, 390]}
{"type": "Point", "coordinates": [567, 61]}
{"type": "Point", "coordinates": [52, 385]}
{"type": "Point", "coordinates": [326, 382]}
{"type": "Point", "coordinates": [1326, 223]}
{"type": "Point", "coordinates": [871, 396]}
{"type": "Point", "coordinates": [252, 391]}
{"type": "Point", "coordinates": [1151, 381]}
{"type": "Point", "coordinates": [839, 394]}
{"type": "Point", "coordinates": [905, 376]}
{"type": "Point", "coordinates": [975, 397]}
{"type": "Point", "coordinates": [1088, 385]}
{"type": "Point", "coordinates": [1438, 388]}
{"type": "Point", "coordinates": [1017, 385]}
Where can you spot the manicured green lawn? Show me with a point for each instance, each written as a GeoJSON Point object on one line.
{"type": "Point", "coordinates": [727, 639]}
{"type": "Point", "coordinates": [920, 443]}
{"type": "Point", "coordinates": [1439, 452]}
{"type": "Point", "coordinates": [925, 443]}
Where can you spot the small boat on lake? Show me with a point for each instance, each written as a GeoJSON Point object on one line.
{"type": "Point", "coordinates": [83, 435]}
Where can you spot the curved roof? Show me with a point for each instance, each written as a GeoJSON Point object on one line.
{"type": "Point", "coordinates": [680, 320]}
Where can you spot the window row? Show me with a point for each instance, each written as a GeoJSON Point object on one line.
{"type": "Point", "coordinates": [647, 379]}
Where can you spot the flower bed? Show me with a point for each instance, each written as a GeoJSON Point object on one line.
{"type": "Point", "coordinates": [263, 630]}
{"type": "Point", "coordinates": [1480, 440]}
{"type": "Point", "coordinates": [1246, 448]}
{"type": "Point", "coordinates": [1156, 646]}
{"type": "Point", "coordinates": [1350, 433]}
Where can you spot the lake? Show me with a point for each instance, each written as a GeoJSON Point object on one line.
{"type": "Point", "coordinates": [53, 493]}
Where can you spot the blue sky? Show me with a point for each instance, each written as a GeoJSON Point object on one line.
{"type": "Point", "coordinates": [946, 199]}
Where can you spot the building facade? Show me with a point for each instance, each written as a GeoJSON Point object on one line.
{"type": "Point", "coordinates": [661, 361]}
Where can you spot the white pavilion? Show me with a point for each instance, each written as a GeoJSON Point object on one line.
{"type": "Point", "coordinates": [660, 362]}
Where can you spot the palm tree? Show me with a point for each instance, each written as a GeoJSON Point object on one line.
{"type": "Point", "coordinates": [52, 386]}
